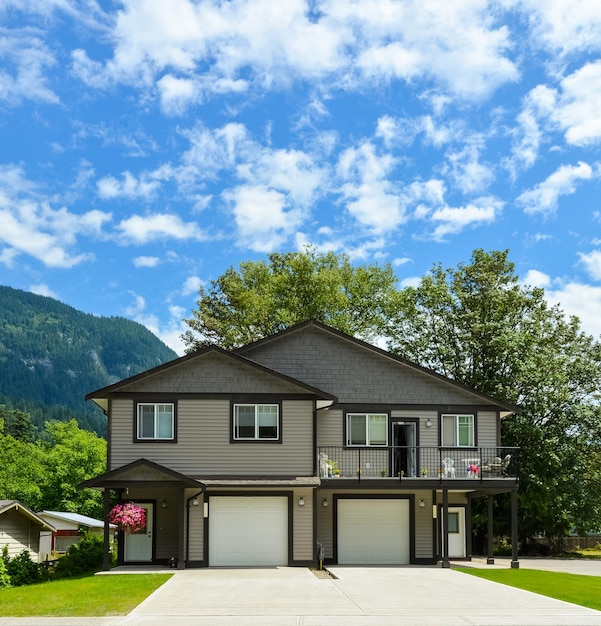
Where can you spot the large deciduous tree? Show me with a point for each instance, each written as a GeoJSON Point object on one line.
{"type": "Point", "coordinates": [261, 298]}
{"type": "Point", "coordinates": [477, 324]}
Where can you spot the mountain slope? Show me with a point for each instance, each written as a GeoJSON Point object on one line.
{"type": "Point", "coordinates": [51, 355]}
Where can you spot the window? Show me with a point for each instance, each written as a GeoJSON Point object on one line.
{"type": "Point", "coordinates": [453, 522]}
{"type": "Point", "coordinates": [458, 430]}
{"type": "Point", "coordinates": [155, 421]}
{"type": "Point", "coordinates": [254, 422]}
{"type": "Point", "coordinates": [366, 429]}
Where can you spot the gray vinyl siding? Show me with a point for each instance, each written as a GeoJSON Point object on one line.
{"type": "Point", "coordinates": [487, 429]}
{"type": "Point", "coordinates": [330, 428]}
{"type": "Point", "coordinates": [302, 529]}
{"type": "Point", "coordinates": [19, 533]}
{"type": "Point", "coordinates": [203, 445]}
{"type": "Point", "coordinates": [197, 528]}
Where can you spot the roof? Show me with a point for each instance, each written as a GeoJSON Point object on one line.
{"type": "Point", "coordinates": [8, 505]}
{"type": "Point", "coordinates": [74, 518]}
{"type": "Point", "coordinates": [100, 396]}
{"type": "Point", "coordinates": [508, 407]}
{"type": "Point", "coordinates": [125, 476]}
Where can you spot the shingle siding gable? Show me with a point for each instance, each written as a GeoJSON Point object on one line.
{"type": "Point", "coordinates": [352, 372]}
{"type": "Point", "coordinates": [213, 373]}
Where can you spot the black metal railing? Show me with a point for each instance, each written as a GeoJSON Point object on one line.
{"type": "Point", "coordinates": [417, 462]}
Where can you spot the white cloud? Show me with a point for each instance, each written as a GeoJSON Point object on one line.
{"type": "Point", "coordinates": [534, 278]}
{"type": "Point", "coordinates": [30, 225]}
{"type": "Point", "coordinates": [263, 217]}
{"type": "Point", "coordinates": [190, 50]}
{"type": "Point", "coordinates": [129, 187]}
{"type": "Point", "coordinates": [43, 290]}
{"type": "Point", "coordinates": [544, 197]}
{"type": "Point", "coordinates": [452, 220]}
{"type": "Point", "coordinates": [24, 64]}
{"type": "Point", "coordinates": [146, 261]}
{"type": "Point", "coordinates": [371, 198]}
{"type": "Point", "coordinates": [578, 111]}
{"type": "Point", "coordinates": [191, 285]}
{"type": "Point", "coordinates": [562, 25]}
{"type": "Point", "coordinates": [581, 300]}
{"type": "Point", "coordinates": [466, 169]}
{"type": "Point", "coordinates": [592, 263]}
{"type": "Point", "coordinates": [140, 229]}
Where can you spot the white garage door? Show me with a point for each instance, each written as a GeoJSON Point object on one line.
{"type": "Point", "coordinates": [373, 532]}
{"type": "Point", "coordinates": [247, 531]}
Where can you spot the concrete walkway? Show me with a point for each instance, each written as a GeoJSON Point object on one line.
{"type": "Point", "coordinates": [358, 596]}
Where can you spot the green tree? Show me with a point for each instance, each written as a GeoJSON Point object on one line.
{"type": "Point", "coordinates": [17, 423]}
{"type": "Point", "coordinates": [478, 325]}
{"type": "Point", "coordinates": [261, 298]}
{"type": "Point", "coordinates": [72, 455]}
{"type": "Point", "coordinates": [21, 471]}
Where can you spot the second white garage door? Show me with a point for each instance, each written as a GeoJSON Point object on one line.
{"type": "Point", "coordinates": [373, 532]}
{"type": "Point", "coordinates": [248, 531]}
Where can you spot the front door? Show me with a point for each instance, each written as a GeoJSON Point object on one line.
{"type": "Point", "coordinates": [138, 546]}
{"type": "Point", "coordinates": [457, 539]}
{"type": "Point", "coordinates": [404, 441]}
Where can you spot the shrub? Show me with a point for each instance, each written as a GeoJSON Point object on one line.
{"type": "Point", "coordinates": [22, 570]}
{"type": "Point", "coordinates": [82, 557]}
{"type": "Point", "coordinates": [4, 575]}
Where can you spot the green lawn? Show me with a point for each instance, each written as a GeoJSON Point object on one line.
{"type": "Point", "coordinates": [574, 588]}
{"type": "Point", "coordinates": [89, 596]}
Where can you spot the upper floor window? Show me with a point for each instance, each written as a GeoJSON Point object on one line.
{"type": "Point", "coordinates": [458, 430]}
{"type": "Point", "coordinates": [156, 421]}
{"type": "Point", "coordinates": [366, 429]}
{"type": "Point", "coordinates": [256, 422]}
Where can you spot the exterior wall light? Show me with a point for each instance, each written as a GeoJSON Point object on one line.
{"type": "Point", "coordinates": [301, 502]}
{"type": "Point", "coordinates": [325, 503]}
{"type": "Point", "coordinates": [422, 503]}
{"type": "Point", "coordinates": [164, 504]}
{"type": "Point", "coordinates": [428, 423]}
{"type": "Point", "coordinates": [194, 501]}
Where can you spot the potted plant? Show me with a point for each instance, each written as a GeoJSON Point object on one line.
{"type": "Point", "coordinates": [128, 517]}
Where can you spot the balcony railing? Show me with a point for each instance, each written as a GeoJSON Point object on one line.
{"type": "Point", "coordinates": [440, 463]}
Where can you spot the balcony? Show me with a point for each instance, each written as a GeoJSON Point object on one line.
{"type": "Point", "coordinates": [417, 462]}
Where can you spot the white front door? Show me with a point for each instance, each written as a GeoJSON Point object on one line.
{"type": "Point", "coordinates": [373, 531]}
{"type": "Point", "coordinates": [138, 546]}
{"type": "Point", "coordinates": [456, 532]}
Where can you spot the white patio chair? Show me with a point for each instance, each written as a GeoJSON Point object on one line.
{"type": "Point", "coordinates": [448, 466]}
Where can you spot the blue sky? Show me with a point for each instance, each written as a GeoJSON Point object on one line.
{"type": "Point", "coordinates": [146, 146]}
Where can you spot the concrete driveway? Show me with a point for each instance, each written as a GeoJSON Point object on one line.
{"type": "Point", "coordinates": [358, 596]}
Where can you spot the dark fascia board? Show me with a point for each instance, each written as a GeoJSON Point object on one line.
{"type": "Point", "coordinates": [506, 406]}
{"type": "Point", "coordinates": [7, 505]}
{"type": "Point", "coordinates": [99, 481]}
{"type": "Point", "coordinates": [105, 392]}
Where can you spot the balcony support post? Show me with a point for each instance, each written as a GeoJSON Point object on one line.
{"type": "Point", "coordinates": [489, 533]}
{"type": "Point", "coordinates": [515, 564]}
{"type": "Point", "coordinates": [445, 528]}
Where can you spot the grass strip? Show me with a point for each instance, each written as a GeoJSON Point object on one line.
{"type": "Point", "coordinates": [88, 596]}
{"type": "Point", "coordinates": [575, 588]}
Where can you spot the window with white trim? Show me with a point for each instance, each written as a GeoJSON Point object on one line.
{"type": "Point", "coordinates": [458, 430]}
{"type": "Point", "coordinates": [155, 421]}
{"type": "Point", "coordinates": [256, 422]}
{"type": "Point", "coordinates": [366, 429]}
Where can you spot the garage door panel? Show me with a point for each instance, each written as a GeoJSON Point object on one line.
{"type": "Point", "coordinates": [248, 531]}
{"type": "Point", "coordinates": [373, 531]}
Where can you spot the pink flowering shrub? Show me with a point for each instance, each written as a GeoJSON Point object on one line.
{"type": "Point", "coordinates": [128, 517]}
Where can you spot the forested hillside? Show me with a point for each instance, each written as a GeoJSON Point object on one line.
{"type": "Point", "coordinates": [51, 355]}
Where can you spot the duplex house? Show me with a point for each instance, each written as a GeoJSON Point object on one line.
{"type": "Point", "coordinates": [305, 445]}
